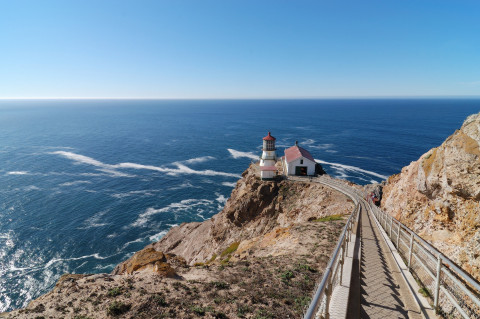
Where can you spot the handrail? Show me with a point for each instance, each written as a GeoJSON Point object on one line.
{"type": "Point", "coordinates": [444, 265]}
{"type": "Point", "coordinates": [325, 287]}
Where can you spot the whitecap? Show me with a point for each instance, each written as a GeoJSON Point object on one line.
{"type": "Point", "coordinates": [221, 199]}
{"type": "Point", "coordinates": [95, 220]}
{"type": "Point", "coordinates": [199, 159]}
{"type": "Point", "coordinates": [238, 154]}
{"type": "Point", "coordinates": [29, 188]}
{"type": "Point", "coordinates": [183, 205]}
{"type": "Point", "coordinates": [132, 193]}
{"type": "Point", "coordinates": [75, 183]}
{"type": "Point", "coordinates": [229, 184]}
{"type": "Point", "coordinates": [56, 260]}
{"type": "Point", "coordinates": [351, 168]}
{"type": "Point", "coordinates": [158, 236]}
{"type": "Point", "coordinates": [17, 173]}
{"type": "Point", "coordinates": [113, 169]}
{"type": "Point", "coordinates": [139, 240]}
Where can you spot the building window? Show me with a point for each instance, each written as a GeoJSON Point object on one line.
{"type": "Point", "coordinates": [301, 161]}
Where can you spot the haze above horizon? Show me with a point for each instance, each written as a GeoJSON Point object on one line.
{"type": "Point", "coordinates": [247, 49]}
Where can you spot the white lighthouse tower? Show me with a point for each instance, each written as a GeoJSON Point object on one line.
{"type": "Point", "coordinates": [268, 159]}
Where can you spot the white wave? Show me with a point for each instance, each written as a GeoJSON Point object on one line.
{"type": "Point", "coordinates": [56, 260]}
{"type": "Point", "coordinates": [132, 193]}
{"type": "Point", "coordinates": [183, 205]}
{"type": "Point", "coordinates": [158, 236]}
{"type": "Point", "coordinates": [75, 183]}
{"type": "Point", "coordinates": [185, 184]}
{"type": "Point", "coordinates": [95, 220]}
{"type": "Point", "coordinates": [199, 159]}
{"type": "Point", "coordinates": [221, 199]}
{"type": "Point", "coordinates": [331, 151]}
{"type": "Point", "coordinates": [351, 168]}
{"type": "Point", "coordinates": [17, 173]}
{"type": "Point", "coordinates": [308, 142]}
{"type": "Point", "coordinates": [238, 154]}
{"type": "Point", "coordinates": [28, 188]}
{"type": "Point", "coordinates": [372, 181]}
{"type": "Point", "coordinates": [139, 240]}
{"type": "Point", "coordinates": [113, 169]}
{"type": "Point", "coordinates": [229, 184]}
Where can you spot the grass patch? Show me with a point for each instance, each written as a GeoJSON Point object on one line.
{"type": "Point", "coordinates": [286, 276]}
{"type": "Point", "coordinates": [211, 260]}
{"type": "Point", "coordinates": [115, 292]}
{"type": "Point", "coordinates": [425, 292]}
{"type": "Point", "coordinates": [230, 249]}
{"type": "Point", "coordinates": [117, 308]}
{"type": "Point", "coordinates": [329, 218]}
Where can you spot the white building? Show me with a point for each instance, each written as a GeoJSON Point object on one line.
{"type": "Point", "coordinates": [268, 158]}
{"type": "Point", "coordinates": [298, 161]}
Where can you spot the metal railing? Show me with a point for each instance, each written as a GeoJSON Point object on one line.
{"type": "Point", "coordinates": [455, 293]}
{"type": "Point", "coordinates": [332, 277]}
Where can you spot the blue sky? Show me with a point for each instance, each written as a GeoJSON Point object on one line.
{"type": "Point", "coordinates": [239, 49]}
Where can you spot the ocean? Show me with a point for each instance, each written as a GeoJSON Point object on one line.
{"type": "Point", "coordinates": [86, 183]}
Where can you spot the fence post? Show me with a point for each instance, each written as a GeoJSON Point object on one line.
{"type": "Point", "coordinates": [398, 237]}
{"type": "Point", "coordinates": [410, 251]}
{"type": "Point", "coordinates": [391, 225]}
{"type": "Point", "coordinates": [328, 293]}
{"type": "Point", "coordinates": [342, 262]}
{"type": "Point", "coordinates": [437, 283]}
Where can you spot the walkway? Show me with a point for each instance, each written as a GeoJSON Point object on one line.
{"type": "Point", "coordinates": [380, 292]}
{"type": "Point", "coordinates": [378, 288]}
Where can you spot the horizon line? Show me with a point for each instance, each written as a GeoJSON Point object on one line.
{"type": "Point", "coordinates": [246, 98]}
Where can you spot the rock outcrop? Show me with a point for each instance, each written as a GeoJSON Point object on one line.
{"type": "Point", "coordinates": [255, 208]}
{"type": "Point", "coordinates": [438, 196]}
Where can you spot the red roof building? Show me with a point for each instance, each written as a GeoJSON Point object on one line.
{"type": "Point", "coordinates": [299, 161]}
{"type": "Point", "coordinates": [295, 152]}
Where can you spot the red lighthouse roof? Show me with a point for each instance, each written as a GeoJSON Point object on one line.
{"type": "Point", "coordinates": [269, 137]}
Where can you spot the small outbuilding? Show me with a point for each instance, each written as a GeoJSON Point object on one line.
{"type": "Point", "coordinates": [298, 161]}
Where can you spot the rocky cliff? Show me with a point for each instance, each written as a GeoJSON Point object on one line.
{"type": "Point", "coordinates": [438, 196]}
{"type": "Point", "coordinates": [258, 258]}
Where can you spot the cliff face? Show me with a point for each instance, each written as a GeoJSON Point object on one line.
{"type": "Point", "coordinates": [258, 258]}
{"type": "Point", "coordinates": [254, 209]}
{"type": "Point", "coordinates": [438, 196]}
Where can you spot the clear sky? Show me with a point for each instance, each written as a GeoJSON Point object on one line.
{"type": "Point", "coordinates": [239, 49]}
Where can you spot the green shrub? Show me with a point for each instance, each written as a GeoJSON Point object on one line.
{"type": "Point", "coordinates": [117, 308]}
{"type": "Point", "coordinates": [329, 218]}
{"type": "Point", "coordinates": [115, 292]}
{"type": "Point", "coordinates": [232, 248]}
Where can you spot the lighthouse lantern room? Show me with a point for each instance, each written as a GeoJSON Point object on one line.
{"type": "Point", "coordinates": [269, 158]}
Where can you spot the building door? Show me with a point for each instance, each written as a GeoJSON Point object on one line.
{"type": "Point", "coordinates": [301, 170]}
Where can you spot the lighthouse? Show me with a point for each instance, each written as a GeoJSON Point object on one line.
{"type": "Point", "coordinates": [268, 159]}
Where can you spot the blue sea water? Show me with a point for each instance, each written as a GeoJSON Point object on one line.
{"type": "Point", "coordinates": [84, 184]}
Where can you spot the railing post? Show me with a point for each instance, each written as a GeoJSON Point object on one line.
{"type": "Point", "coordinates": [342, 260]}
{"type": "Point", "coordinates": [328, 294]}
{"type": "Point", "coordinates": [410, 251]}
{"type": "Point", "coordinates": [398, 237]}
{"type": "Point", "coordinates": [437, 283]}
{"type": "Point", "coordinates": [391, 225]}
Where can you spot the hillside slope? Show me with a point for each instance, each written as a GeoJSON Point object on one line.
{"type": "Point", "coordinates": [438, 196]}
